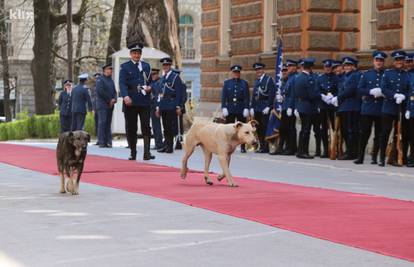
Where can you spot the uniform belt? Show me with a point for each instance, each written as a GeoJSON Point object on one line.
{"type": "Point", "coordinates": [169, 97]}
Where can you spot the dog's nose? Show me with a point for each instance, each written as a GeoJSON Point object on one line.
{"type": "Point", "coordinates": [254, 142]}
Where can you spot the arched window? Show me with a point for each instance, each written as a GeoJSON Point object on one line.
{"type": "Point", "coordinates": [187, 37]}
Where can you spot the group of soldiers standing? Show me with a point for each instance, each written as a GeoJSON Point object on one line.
{"type": "Point", "coordinates": [380, 98]}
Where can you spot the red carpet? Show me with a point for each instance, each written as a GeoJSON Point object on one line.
{"type": "Point", "coordinates": [373, 223]}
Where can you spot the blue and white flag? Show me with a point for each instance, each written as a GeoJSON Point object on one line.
{"type": "Point", "coordinates": [275, 117]}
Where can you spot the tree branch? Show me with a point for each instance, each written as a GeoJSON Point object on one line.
{"type": "Point", "coordinates": [58, 19]}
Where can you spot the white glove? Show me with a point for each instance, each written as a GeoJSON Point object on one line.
{"type": "Point", "coordinates": [326, 98]}
{"type": "Point", "coordinates": [266, 110]}
{"type": "Point", "coordinates": [252, 112]}
{"type": "Point", "coordinates": [279, 98]}
{"type": "Point", "coordinates": [407, 114]}
{"type": "Point", "coordinates": [334, 101]}
{"type": "Point", "coordinates": [376, 92]}
{"type": "Point", "coordinates": [296, 112]}
{"type": "Point", "coordinates": [289, 112]}
{"type": "Point", "coordinates": [143, 92]}
{"type": "Point", "coordinates": [245, 112]}
{"type": "Point", "coordinates": [225, 112]}
{"type": "Point", "coordinates": [399, 98]}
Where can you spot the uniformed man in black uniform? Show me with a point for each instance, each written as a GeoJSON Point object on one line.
{"type": "Point", "coordinates": [372, 98]}
{"type": "Point", "coordinates": [81, 102]}
{"type": "Point", "coordinates": [65, 107]}
{"type": "Point", "coordinates": [155, 121]}
{"type": "Point", "coordinates": [235, 98]}
{"type": "Point", "coordinates": [395, 86]}
{"type": "Point", "coordinates": [93, 99]}
{"type": "Point", "coordinates": [169, 103]}
{"type": "Point", "coordinates": [264, 92]}
{"type": "Point", "coordinates": [134, 80]}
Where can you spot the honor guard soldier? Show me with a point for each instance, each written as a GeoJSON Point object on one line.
{"type": "Point", "coordinates": [264, 91]}
{"type": "Point", "coordinates": [169, 103]}
{"type": "Point", "coordinates": [287, 141]}
{"type": "Point", "coordinates": [328, 86]}
{"type": "Point", "coordinates": [395, 87]}
{"type": "Point", "coordinates": [409, 67]}
{"type": "Point", "coordinates": [235, 98]}
{"type": "Point", "coordinates": [372, 98]}
{"type": "Point", "coordinates": [409, 62]}
{"type": "Point", "coordinates": [307, 96]}
{"type": "Point", "coordinates": [134, 80]}
{"type": "Point", "coordinates": [155, 121]}
{"type": "Point", "coordinates": [93, 99]}
{"type": "Point", "coordinates": [178, 124]}
{"type": "Point", "coordinates": [409, 116]}
{"type": "Point", "coordinates": [80, 99]}
{"type": "Point", "coordinates": [65, 106]}
{"type": "Point", "coordinates": [105, 100]}
{"type": "Point", "coordinates": [349, 106]}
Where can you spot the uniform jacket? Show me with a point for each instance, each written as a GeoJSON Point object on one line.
{"type": "Point", "coordinates": [410, 99]}
{"type": "Point", "coordinates": [287, 92]}
{"type": "Point", "coordinates": [130, 80]}
{"type": "Point", "coordinates": [264, 92]}
{"type": "Point", "coordinates": [65, 104]}
{"type": "Point", "coordinates": [81, 99]}
{"type": "Point", "coordinates": [170, 94]}
{"type": "Point", "coordinates": [393, 81]}
{"type": "Point", "coordinates": [306, 93]}
{"type": "Point", "coordinates": [235, 95]}
{"type": "Point", "coordinates": [105, 91]}
{"type": "Point", "coordinates": [327, 84]}
{"type": "Point", "coordinates": [348, 97]}
{"type": "Point", "coordinates": [369, 80]}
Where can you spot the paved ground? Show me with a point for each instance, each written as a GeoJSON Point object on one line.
{"type": "Point", "coordinates": [108, 227]}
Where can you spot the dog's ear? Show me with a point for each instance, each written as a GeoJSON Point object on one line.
{"type": "Point", "coordinates": [254, 123]}
{"type": "Point", "coordinates": [238, 125]}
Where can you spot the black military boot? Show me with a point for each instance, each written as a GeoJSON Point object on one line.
{"type": "Point", "coordinates": [147, 153]}
{"type": "Point", "coordinates": [375, 153]}
{"type": "Point", "coordinates": [243, 148]}
{"type": "Point", "coordinates": [318, 146]}
{"type": "Point", "coordinates": [133, 155]}
{"type": "Point", "coordinates": [325, 144]}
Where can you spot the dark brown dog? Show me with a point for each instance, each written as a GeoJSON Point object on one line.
{"type": "Point", "coordinates": [70, 154]}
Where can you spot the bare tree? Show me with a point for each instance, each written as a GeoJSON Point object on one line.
{"type": "Point", "coordinates": [45, 22]}
{"type": "Point", "coordinates": [155, 23]}
{"type": "Point", "coordinates": [5, 61]}
{"type": "Point", "coordinates": [69, 37]}
{"type": "Point", "coordinates": [115, 33]}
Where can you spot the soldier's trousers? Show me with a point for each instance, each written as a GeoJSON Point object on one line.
{"type": "Point", "coordinates": [410, 138]}
{"type": "Point", "coordinates": [156, 129]}
{"type": "Point", "coordinates": [327, 117]}
{"type": "Point", "coordinates": [65, 123]}
{"type": "Point", "coordinates": [367, 121]}
{"type": "Point", "coordinates": [304, 134]}
{"type": "Point", "coordinates": [78, 121]}
{"type": "Point", "coordinates": [168, 118]}
{"type": "Point", "coordinates": [104, 126]}
{"type": "Point", "coordinates": [96, 119]}
{"type": "Point", "coordinates": [263, 120]}
{"type": "Point", "coordinates": [288, 132]}
{"type": "Point", "coordinates": [350, 131]}
{"type": "Point", "coordinates": [132, 113]}
{"type": "Point", "coordinates": [387, 123]}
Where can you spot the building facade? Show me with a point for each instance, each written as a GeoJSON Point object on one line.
{"type": "Point", "coordinates": [245, 31]}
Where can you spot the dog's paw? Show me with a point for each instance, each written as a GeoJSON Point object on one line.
{"type": "Point", "coordinates": [233, 185]}
{"type": "Point", "coordinates": [69, 186]}
{"type": "Point", "coordinates": [220, 177]}
{"type": "Point", "coordinates": [183, 174]}
{"type": "Point", "coordinates": [62, 191]}
{"type": "Point", "coordinates": [74, 193]}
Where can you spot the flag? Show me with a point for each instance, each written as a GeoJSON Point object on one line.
{"type": "Point", "coordinates": [275, 117]}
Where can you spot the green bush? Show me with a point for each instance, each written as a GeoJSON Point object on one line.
{"type": "Point", "coordinates": [38, 126]}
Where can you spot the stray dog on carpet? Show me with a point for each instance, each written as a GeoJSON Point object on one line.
{"type": "Point", "coordinates": [70, 154]}
{"type": "Point", "coordinates": [220, 139]}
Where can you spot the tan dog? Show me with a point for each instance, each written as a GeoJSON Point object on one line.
{"type": "Point", "coordinates": [220, 139]}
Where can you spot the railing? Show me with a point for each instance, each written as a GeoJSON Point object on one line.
{"type": "Point", "coordinates": [188, 53]}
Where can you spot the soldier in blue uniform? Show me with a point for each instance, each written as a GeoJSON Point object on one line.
{"type": "Point", "coordinates": [349, 102]}
{"type": "Point", "coordinates": [93, 99]}
{"type": "Point", "coordinates": [105, 100]}
{"type": "Point", "coordinates": [287, 141]}
{"type": "Point", "coordinates": [169, 103]}
{"type": "Point", "coordinates": [65, 107]}
{"type": "Point", "coordinates": [81, 101]}
{"type": "Point", "coordinates": [372, 98]}
{"type": "Point", "coordinates": [409, 62]}
{"type": "Point", "coordinates": [264, 91]}
{"type": "Point", "coordinates": [134, 80]}
{"type": "Point", "coordinates": [235, 98]}
{"type": "Point", "coordinates": [395, 87]}
{"type": "Point", "coordinates": [328, 86]}
{"type": "Point", "coordinates": [409, 67]}
{"type": "Point", "coordinates": [179, 121]}
{"type": "Point", "coordinates": [409, 116]}
{"type": "Point", "coordinates": [307, 97]}
{"type": "Point", "coordinates": [155, 121]}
